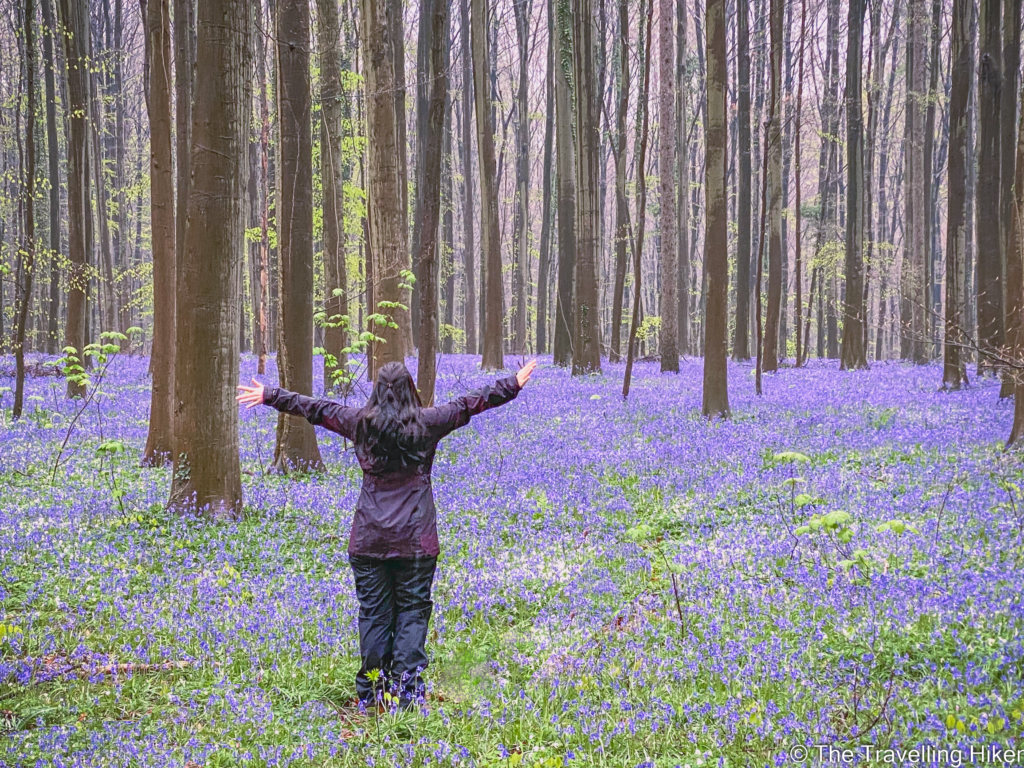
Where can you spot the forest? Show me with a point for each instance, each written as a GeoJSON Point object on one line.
{"type": "Point", "coordinates": [760, 500]}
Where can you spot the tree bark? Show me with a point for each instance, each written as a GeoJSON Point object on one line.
{"type": "Point", "coordinates": [544, 266]}
{"type": "Point", "coordinates": [669, 333]}
{"type": "Point", "coordinates": [296, 446]}
{"type": "Point", "coordinates": [388, 222]}
{"type": "Point", "coordinates": [741, 331]}
{"type": "Point", "coordinates": [493, 355]}
{"type": "Point", "coordinates": [160, 440]}
{"type": "Point", "coordinates": [431, 199]}
{"type": "Point", "coordinates": [682, 158]}
{"type": "Point", "coordinates": [716, 237]}
{"type": "Point", "coordinates": [206, 476]}
{"type": "Point", "coordinates": [1015, 253]}
{"type": "Point", "coordinates": [28, 240]}
{"type": "Point", "coordinates": [75, 19]}
{"type": "Point", "coordinates": [798, 214]}
{"type": "Point", "coordinates": [853, 353]}
{"type": "Point", "coordinates": [521, 223]}
{"type": "Point", "coordinates": [333, 169]}
{"type": "Point", "coordinates": [566, 173]}
{"type": "Point", "coordinates": [1008, 141]}
{"type": "Point", "coordinates": [621, 204]}
{"type": "Point", "coordinates": [53, 163]}
{"type": "Point", "coordinates": [915, 297]}
{"type": "Point", "coordinates": [184, 31]}
{"type": "Point", "coordinates": [991, 333]}
{"type": "Point", "coordinates": [472, 339]}
{"type": "Point", "coordinates": [770, 343]}
{"type": "Point", "coordinates": [954, 372]}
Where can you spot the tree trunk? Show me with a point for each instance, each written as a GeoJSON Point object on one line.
{"type": "Point", "coordinates": [669, 332]}
{"type": "Point", "coordinates": [53, 163]}
{"type": "Point", "coordinates": [954, 372]}
{"type": "Point", "coordinates": [388, 222]}
{"type": "Point", "coordinates": [28, 195]}
{"type": "Point", "coordinates": [741, 331]}
{"type": "Point", "coordinates": [75, 19]}
{"type": "Point", "coordinates": [566, 173]}
{"type": "Point", "coordinates": [296, 446]}
{"type": "Point", "coordinates": [160, 440]}
{"type": "Point", "coordinates": [333, 169]}
{"type": "Point", "coordinates": [586, 318]}
{"type": "Point", "coordinates": [184, 31]}
{"type": "Point", "coordinates": [521, 223]}
{"type": "Point", "coordinates": [770, 343]}
{"type": "Point", "coordinates": [913, 278]}
{"type": "Point", "coordinates": [1015, 276]}
{"type": "Point", "coordinates": [1008, 141]}
{"type": "Point", "coordinates": [262, 287]}
{"type": "Point", "coordinates": [206, 476]}
{"type": "Point", "coordinates": [472, 339]}
{"type": "Point", "coordinates": [621, 204]}
{"type": "Point", "coordinates": [990, 234]}
{"type": "Point", "coordinates": [430, 195]}
{"type": "Point", "coordinates": [854, 311]}
{"type": "Point", "coordinates": [448, 224]}
{"type": "Point", "coordinates": [682, 158]}
{"type": "Point", "coordinates": [544, 267]}
{"type": "Point", "coordinates": [493, 356]}
{"type": "Point", "coordinates": [716, 237]}
{"type": "Point", "coordinates": [801, 352]}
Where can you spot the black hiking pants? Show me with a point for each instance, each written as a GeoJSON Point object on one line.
{"type": "Point", "coordinates": [394, 612]}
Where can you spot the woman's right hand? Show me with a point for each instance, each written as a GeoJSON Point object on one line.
{"type": "Point", "coordinates": [251, 396]}
{"type": "Point", "coordinates": [524, 373]}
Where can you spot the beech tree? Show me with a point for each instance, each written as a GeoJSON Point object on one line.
{"type": "Point", "coordinates": [668, 335]}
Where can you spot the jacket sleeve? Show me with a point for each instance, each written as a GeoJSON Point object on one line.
{"type": "Point", "coordinates": [457, 413]}
{"type": "Point", "coordinates": [316, 410]}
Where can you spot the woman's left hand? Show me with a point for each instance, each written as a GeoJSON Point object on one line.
{"type": "Point", "coordinates": [251, 396]}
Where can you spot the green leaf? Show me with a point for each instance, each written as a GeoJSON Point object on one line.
{"type": "Point", "coordinates": [791, 456]}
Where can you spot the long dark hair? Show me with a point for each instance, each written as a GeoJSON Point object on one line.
{"type": "Point", "coordinates": [389, 427]}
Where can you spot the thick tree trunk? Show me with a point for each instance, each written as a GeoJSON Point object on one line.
{"type": "Point", "coordinates": [741, 331]}
{"type": "Point", "coordinates": [493, 356]}
{"type": "Point", "coordinates": [388, 222]}
{"type": "Point", "coordinates": [1015, 276]}
{"type": "Point", "coordinates": [1008, 141]}
{"type": "Point", "coordinates": [854, 310]}
{"type": "Point", "coordinates": [430, 196]}
{"type": "Point", "coordinates": [160, 440]}
{"type": "Point", "coordinates": [954, 372]}
{"type": "Point", "coordinates": [472, 338]}
{"type": "Point", "coordinates": [716, 237]}
{"type": "Point", "coordinates": [296, 446]}
{"type": "Point", "coordinates": [206, 475]}
{"type": "Point", "coordinates": [990, 233]}
{"type": "Point", "coordinates": [566, 174]}
{"type": "Point", "coordinates": [669, 333]}
{"type": "Point", "coordinates": [75, 19]}
{"type": "Point", "coordinates": [53, 163]}
{"type": "Point", "coordinates": [28, 195]}
{"type": "Point", "coordinates": [770, 344]}
{"type": "Point", "coordinates": [586, 317]}
{"type": "Point", "coordinates": [333, 170]}
{"type": "Point", "coordinates": [184, 81]}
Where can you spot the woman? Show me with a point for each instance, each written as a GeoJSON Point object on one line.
{"type": "Point", "coordinates": [393, 544]}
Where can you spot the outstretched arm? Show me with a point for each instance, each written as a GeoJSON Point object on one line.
{"type": "Point", "coordinates": [317, 411]}
{"type": "Point", "coordinates": [458, 412]}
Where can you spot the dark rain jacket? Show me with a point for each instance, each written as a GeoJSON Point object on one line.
{"type": "Point", "coordinates": [395, 514]}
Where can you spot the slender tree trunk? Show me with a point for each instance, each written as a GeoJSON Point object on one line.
{"type": "Point", "coordinates": [108, 302]}
{"type": "Point", "coordinates": [387, 221]}
{"type": "Point", "coordinates": [990, 234]}
{"type": "Point", "coordinates": [493, 356]}
{"type": "Point", "coordinates": [854, 311]}
{"type": "Point", "coordinates": [160, 440]}
{"type": "Point", "coordinates": [262, 287]}
{"type": "Point", "coordinates": [184, 82]}
{"type": "Point", "coordinates": [431, 198]}
{"type": "Point", "coordinates": [913, 277]}
{"type": "Point", "coordinates": [332, 163]}
{"type": "Point", "coordinates": [206, 475]}
{"type": "Point", "coordinates": [544, 266]}
{"type": "Point", "coordinates": [53, 163]}
{"type": "Point", "coordinates": [1008, 140]}
{"type": "Point", "coordinates": [74, 17]}
{"type": "Point", "coordinates": [954, 372]}
{"type": "Point", "coordinates": [472, 340]}
{"type": "Point", "coordinates": [521, 224]}
{"type": "Point", "coordinates": [28, 240]}
{"type": "Point", "coordinates": [586, 318]}
{"type": "Point", "coordinates": [682, 158]}
{"type": "Point", "coordinates": [566, 172]}
{"type": "Point", "coordinates": [296, 446]}
{"type": "Point", "coordinates": [798, 214]}
{"type": "Point", "coordinates": [668, 335]}
{"type": "Point", "coordinates": [770, 344]}
{"type": "Point", "coordinates": [448, 226]}
{"type": "Point", "coordinates": [716, 238]}
{"type": "Point", "coordinates": [741, 331]}
{"type": "Point", "coordinates": [621, 204]}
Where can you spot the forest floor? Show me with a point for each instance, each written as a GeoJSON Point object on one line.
{"type": "Point", "coordinates": [621, 583]}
